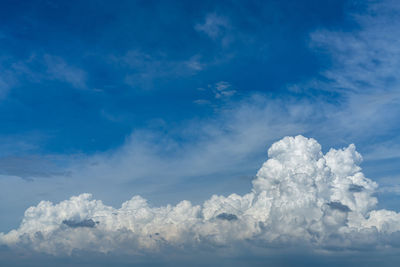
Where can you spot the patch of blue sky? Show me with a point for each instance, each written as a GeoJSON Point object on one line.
{"type": "Point", "coordinates": [93, 72]}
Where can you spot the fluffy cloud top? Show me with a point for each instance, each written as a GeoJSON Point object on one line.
{"type": "Point", "coordinates": [299, 195]}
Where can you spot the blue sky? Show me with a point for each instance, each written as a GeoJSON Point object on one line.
{"type": "Point", "coordinates": [83, 76]}
{"type": "Point", "coordinates": [176, 100]}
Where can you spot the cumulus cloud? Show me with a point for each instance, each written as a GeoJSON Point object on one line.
{"type": "Point", "coordinates": [299, 194]}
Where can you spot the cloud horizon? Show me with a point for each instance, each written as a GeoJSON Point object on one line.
{"type": "Point", "coordinates": [299, 196]}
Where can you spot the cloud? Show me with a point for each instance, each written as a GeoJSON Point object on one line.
{"type": "Point", "coordinates": [363, 74]}
{"type": "Point", "coordinates": [300, 195]}
{"type": "Point", "coordinates": [37, 69]}
{"type": "Point", "coordinates": [227, 216]}
{"type": "Point", "coordinates": [58, 69]}
{"type": "Point", "coordinates": [188, 158]}
{"type": "Point", "coordinates": [28, 167]}
{"type": "Point", "coordinates": [194, 63]}
{"type": "Point", "coordinates": [8, 79]}
{"type": "Point", "coordinates": [226, 144]}
{"type": "Point", "coordinates": [202, 102]}
{"type": "Point", "coordinates": [4, 87]}
{"type": "Point", "coordinates": [216, 27]}
{"type": "Point", "coordinates": [143, 69]}
{"type": "Point", "coordinates": [213, 25]}
{"type": "Point", "coordinates": [223, 89]}
{"type": "Point", "coordinates": [85, 223]}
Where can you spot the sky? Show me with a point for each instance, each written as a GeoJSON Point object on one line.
{"type": "Point", "coordinates": [174, 132]}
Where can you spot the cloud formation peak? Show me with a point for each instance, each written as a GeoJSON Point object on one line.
{"type": "Point", "coordinates": [299, 195]}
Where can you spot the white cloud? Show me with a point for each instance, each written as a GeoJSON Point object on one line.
{"type": "Point", "coordinates": [4, 87]}
{"type": "Point", "coordinates": [216, 27]}
{"type": "Point", "coordinates": [194, 63]}
{"type": "Point", "coordinates": [299, 195]}
{"type": "Point", "coordinates": [228, 146]}
{"type": "Point", "coordinates": [36, 69]}
{"type": "Point", "coordinates": [364, 72]}
{"type": "Point", "coordinates": [223, 89]}
{"type": "Point", "coordinates": [143, 68]}
{"type": "Point", "coordinates": [8, 79]}
{"type": "Point", "coordinates": [202, 102]}
{"type": "Point", "coordinates": [58, 69]}
{"type": "Point", "coordinates": [227, 143]}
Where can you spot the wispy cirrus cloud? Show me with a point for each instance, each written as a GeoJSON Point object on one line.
{"type": "Point", "coordinates": [58, 69]}
{"type": "Point", "coordinates": [220, 91]}
{"type": "Point", "coordinates": [361, 84]}
{"type": "Point", "coordinates": [143, 69]}
{"type": "Point", "coordinates": [38, 69]}
{"type": "Point", "coordinates": [223, 89]}
{"type": "Point", "coordinates": [216, 27]}
{"type": "Point", "coordinates": [213, 25]}
{"type": "Point", "coordinates": [7, 81]}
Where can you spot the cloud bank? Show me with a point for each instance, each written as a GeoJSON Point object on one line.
{"type": "Point", "coordinates": [299, 196]}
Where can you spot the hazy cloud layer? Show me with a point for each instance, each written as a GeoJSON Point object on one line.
{"type": "Point", "coordinates": [300, 195]}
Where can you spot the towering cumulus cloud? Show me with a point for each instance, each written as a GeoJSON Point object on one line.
{"type": "Point", "coordinates": [300, 195]}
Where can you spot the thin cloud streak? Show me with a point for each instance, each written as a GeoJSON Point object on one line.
{"type": "Point", "coordinates": [37, 69]}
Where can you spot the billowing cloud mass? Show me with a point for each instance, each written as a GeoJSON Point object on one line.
{"type": "Point", "coordinates": [300, 195]}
